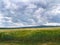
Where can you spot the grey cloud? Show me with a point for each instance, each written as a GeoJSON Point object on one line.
{"type": "Point", "coordinates": [29, 12]}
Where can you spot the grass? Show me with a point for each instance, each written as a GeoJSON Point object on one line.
{"type": "Point", "coordinates": [30, 36]}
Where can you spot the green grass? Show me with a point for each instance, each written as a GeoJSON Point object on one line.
{"type": "Point", "coordinates": [30, 36]}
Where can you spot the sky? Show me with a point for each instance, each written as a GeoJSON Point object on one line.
{"type": "Point", "coordinates": [22, 13]}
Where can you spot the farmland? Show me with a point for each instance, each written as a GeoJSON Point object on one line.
{"type": "Point", "coordinates": [30, 36]}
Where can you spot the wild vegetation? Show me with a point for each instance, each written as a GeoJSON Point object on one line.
{"type": "Point", "coordinates": [30, 36]}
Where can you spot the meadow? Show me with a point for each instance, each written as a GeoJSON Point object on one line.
{"type": "Point", "coordinates": [30, 36]}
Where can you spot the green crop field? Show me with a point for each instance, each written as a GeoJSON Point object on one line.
{"type": "Point", "coordinates": [30, 36]}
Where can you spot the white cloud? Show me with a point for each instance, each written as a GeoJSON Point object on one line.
{"type": "Point", "coordinates": [52, 24]}
{"type": "Point", "coordinates": [39, 11]}
{"type": "Point", "coordinates": [55, 9]}
{"type": "Point", "coordinates": [7, 3]}
{"type": "Point", "coordinates": [31, 6]}
{"type": "Point", "coordinates": [20, 1]}
{"type": "Point", "coordinates": [21, 13]}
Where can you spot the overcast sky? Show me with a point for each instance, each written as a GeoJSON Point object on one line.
{"type": "Point", "coordinates": [21, 13]}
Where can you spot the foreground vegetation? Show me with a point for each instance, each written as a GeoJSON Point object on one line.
{"type": "Point", "coordinates": [30, 36]}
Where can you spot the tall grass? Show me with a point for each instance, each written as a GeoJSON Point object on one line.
{"type": "Point", "coordinates": [31, 36]}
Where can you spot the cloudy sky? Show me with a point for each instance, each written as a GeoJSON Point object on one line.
{"type": "Point", "coordinates": [21, 13]}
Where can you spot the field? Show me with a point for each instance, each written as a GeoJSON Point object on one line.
{"type": "Point", "coordinates": [30, 36]}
